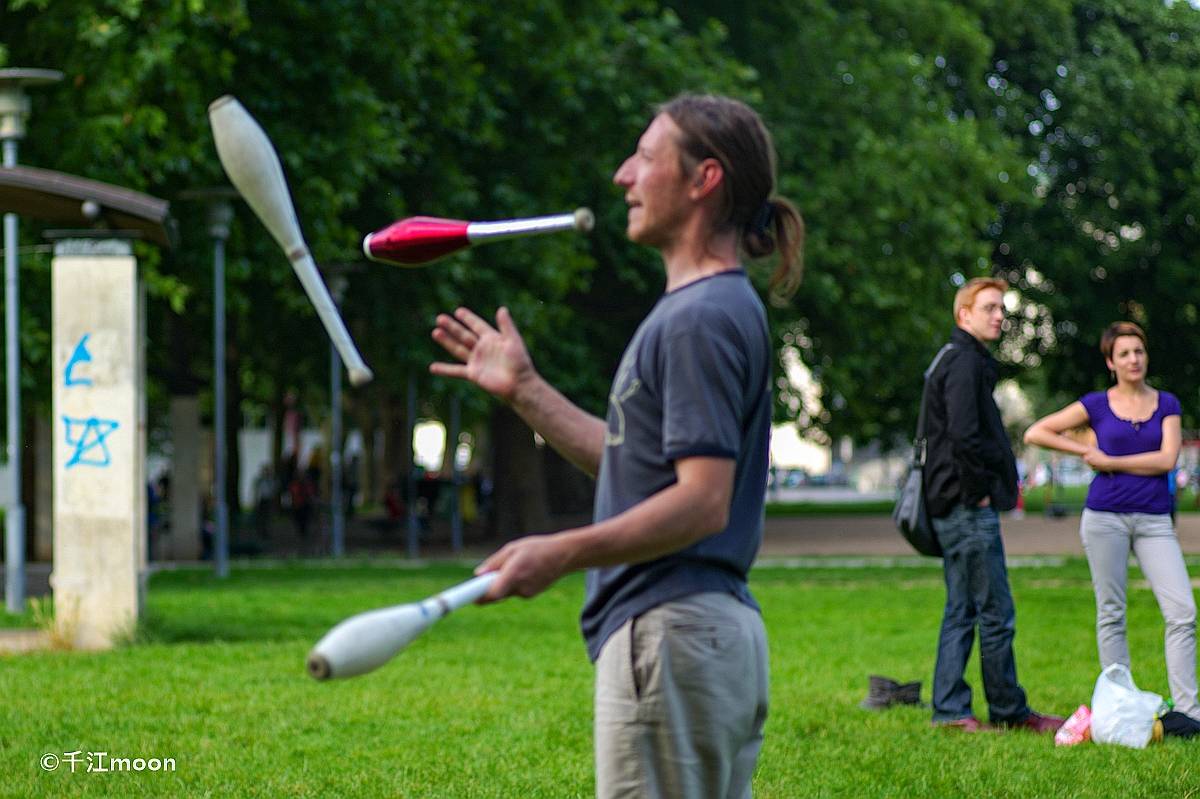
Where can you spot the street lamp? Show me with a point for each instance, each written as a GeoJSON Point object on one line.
{"type": "Point", "coordinates": [220, 216]}
{"type": "Point", "coordinates": [336, 276]}
{"type": "Point", "coordinates": [337, 517]}
{"type": "Point", "coordinates": [14, 111]}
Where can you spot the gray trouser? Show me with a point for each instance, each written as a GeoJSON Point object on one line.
{"type": "Point", "coordinates": [1108, 539]}
{"type": "Point", "coordinates": [681, 698]}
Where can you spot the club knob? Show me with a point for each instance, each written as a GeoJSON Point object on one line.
{"type": "Point", "coordinates": [318, 667]}
{"type": "Point", "coordinates": [585, 220]}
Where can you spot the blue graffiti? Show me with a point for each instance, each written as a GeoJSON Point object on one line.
{"type": "Point", "coordinates": [80, 355]}
{"type": "Point", "coordinates": [90, 449]}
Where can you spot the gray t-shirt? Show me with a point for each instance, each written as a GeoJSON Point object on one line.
{"type": "Point", "coordinates": [694, 381]}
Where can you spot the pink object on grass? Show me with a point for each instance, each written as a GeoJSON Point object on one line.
{"type": "Point", "coordinates": [1076, 729]}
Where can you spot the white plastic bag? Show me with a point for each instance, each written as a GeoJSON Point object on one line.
{"type": "Point", "coordinates": [1121, 714]}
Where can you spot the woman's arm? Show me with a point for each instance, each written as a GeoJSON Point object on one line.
{"type": "Point", "coordinates": [1048, 431]}
{"type": "Point", "coordinates": [1153, 463]}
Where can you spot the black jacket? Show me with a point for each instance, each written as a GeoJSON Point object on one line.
{"type": "Point", "coordinates": [968, 455]}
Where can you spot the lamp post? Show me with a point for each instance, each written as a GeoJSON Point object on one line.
{"type": "Point", "coordinates": [337, 275]}
{"type": "Point", "coordinates": [14, 111]}
{"type": "Point", "coordinates": [337, 512]}
{"type": "Point", "coordinates": [456, 531]}
{"type": "Point", "coordinates": [220, 216]}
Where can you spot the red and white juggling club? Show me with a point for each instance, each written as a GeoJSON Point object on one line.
{"type": "Point", "coordinates": [419, 240]}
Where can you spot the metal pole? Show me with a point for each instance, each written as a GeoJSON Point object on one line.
{"type": "Point", "coordinates": [456, 531]}
{"type": "Point", "coordinates": [14, 512]}
{"type": "Point", "coordinates": [337, 511]}
{"type": "Point", "coordinates": [413, 531]}
{"type": "Point", "coordinates": [220, 216]}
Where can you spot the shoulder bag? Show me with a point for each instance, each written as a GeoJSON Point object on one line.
{"type": "Point", "coordinates": [910, 514]}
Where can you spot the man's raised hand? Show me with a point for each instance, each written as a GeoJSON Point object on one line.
{"type": "Point", "coordinates": [493, 358]}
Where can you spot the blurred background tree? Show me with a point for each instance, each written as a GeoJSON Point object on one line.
{"type": "Point", "coordinates": [926, 142]}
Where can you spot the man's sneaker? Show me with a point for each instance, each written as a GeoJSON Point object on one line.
{"type": "Point", "coordinates": [1036, 722]}
{"type": "Point", "coordinates": [967, 724]}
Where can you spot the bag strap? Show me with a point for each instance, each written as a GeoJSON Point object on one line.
{"type": "Point", "coordinates": [919, 441]}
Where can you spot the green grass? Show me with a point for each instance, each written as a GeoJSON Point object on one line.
{"type": "Point", "coordinates": [856, 508]}
{"type": "Point", "coordinates": [496, 702]}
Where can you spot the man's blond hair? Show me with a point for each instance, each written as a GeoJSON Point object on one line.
{"type": "Point", "coordinates": [965, 296]}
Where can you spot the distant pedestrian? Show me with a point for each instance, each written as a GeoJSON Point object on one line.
{"type": "Point", "coordinates": [350, 484]}
{"type": "Point", "coordinates": [265, 497]}
{"type": "Point", "coordinates": [303, 494]}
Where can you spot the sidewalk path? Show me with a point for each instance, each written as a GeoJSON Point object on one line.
{"type": "Point", "coordinates": [1034, 534]}
{"type": "Point", "coordinates": [783, 537]}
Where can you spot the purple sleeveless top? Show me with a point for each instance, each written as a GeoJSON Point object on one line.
{"type": "Point", "coordinates": [1121, 492]}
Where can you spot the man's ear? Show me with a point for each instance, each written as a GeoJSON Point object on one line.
{"type": "Point", "coordinates": [706, 177]}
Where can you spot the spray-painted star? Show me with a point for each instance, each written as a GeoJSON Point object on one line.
{"type": "Point", "coordinates": [89, 441]}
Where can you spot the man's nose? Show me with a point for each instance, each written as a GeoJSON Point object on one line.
{"type": "Point", "coordinates": [621, 176]}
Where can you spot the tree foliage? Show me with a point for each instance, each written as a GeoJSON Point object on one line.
{"type": "Point", "coordinates": [926, 141]}
{"type": "Point", "coordinates": [899, 179]}
{"type": "Point", "coordinates": [378, 111]}
{"type": "Point", "coordinates": [1104, 98]}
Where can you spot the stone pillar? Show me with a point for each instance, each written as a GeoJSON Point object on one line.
{"type": "Point", "coordinates": [185, 478]}
{"type": "Point", "coordinates": [99, 441]}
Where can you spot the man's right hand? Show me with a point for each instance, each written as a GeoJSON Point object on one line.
{"type": "Point", "coordinates": [985, 502]}
{"type": "Point", "coordinates": [527, 566]}
{"type": "Point", "coordinates": [493, 358]}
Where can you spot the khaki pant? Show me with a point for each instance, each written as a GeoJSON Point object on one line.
{"type": "Point", "coordinates": [681, 699]}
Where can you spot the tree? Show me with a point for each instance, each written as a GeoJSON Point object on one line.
{"type": "Point", "coordinates": [451, 118]}
{"type": "Point", "coordinates": [1105, 101]}
{"type": "Point", "coordinates": [900, 181]}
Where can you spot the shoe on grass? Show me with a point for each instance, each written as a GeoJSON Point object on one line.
{"type": "Point", "coordinates": [1038, 723]}
{"type": "Point", "coordinates": [965, 724]}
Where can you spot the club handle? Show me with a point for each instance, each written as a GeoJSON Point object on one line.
{"type": "Point", "coordinates": [318, 295]}
{"type": "Point", "coordinates": [581, 220]}
{"type": "Point", "coordinates": [462, 594]}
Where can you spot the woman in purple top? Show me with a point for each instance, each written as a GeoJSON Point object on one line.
{"type": "Point", "coordinates": [1129, 504]}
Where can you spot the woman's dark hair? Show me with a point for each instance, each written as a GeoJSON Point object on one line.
{"type": "Point", "coordinates": [1114, 331]}
{"type": "Point", "coordinates": [733, 133]}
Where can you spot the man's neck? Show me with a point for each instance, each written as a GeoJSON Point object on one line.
{"type": "Point", "coordinates": [695, 255]}
{"type": "Point", "coordinates": [978, 340]}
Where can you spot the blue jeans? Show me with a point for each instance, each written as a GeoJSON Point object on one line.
{"type": "Point", "coordinates": [977, 594]}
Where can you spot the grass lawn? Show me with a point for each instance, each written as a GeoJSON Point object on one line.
{"type": "Point", "coordinates": [496, 702]}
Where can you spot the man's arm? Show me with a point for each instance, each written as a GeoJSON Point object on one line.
{"type": "Point", "coordinates": [496, 360]}
{"type": "Point", "coordinates": [963, 426]}
{"type": "Point", "coordinates": [694, 507]}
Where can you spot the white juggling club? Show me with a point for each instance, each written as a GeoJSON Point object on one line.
{"type": "Point", "coordinates": [253, 168]}
{"type": "Point", "coordinates": [366, 641]}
